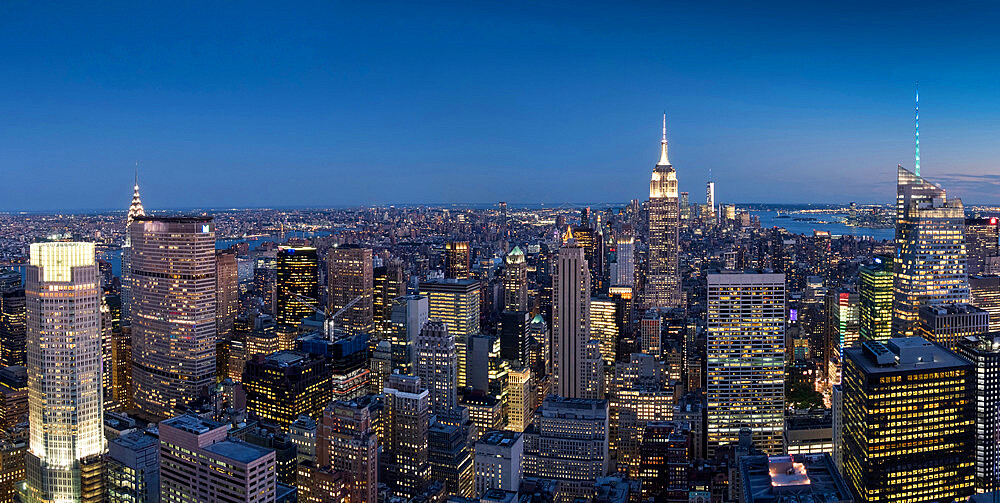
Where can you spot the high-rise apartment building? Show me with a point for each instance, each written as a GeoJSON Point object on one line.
{"type": "Point", "coordinates": [297, 285]}
{"type": "Point", "coordinates": [282, 386]}
{"type": "Point", "coordinates": [456, 260]}
{"type": "Point", "coordinates": [455, 302]}
{"type": "Point", "coordinates": [930, 265]}
{"type": "Point", "coordinates": [575, 373]}
{"type": "Point", "coordinates": [437, 366]}
{"type": "Point", "coordinates": [663, 281]}
{"type": "Point", "coordinates": [407, 414]}
{"type": "Point", "coordinates": [233, 470]}
{"type": "Point", "coordinates": [908, 422]}
{"type": "Point", "coordinates": [985, 294]}
{"type": "Point", "coordinates": [350, 286]}
{"type": "Point", "coordinates": [227, 293]}
{"type": "Point", "coordinates": [875, 300]}
{"type": "Point", "coordinates": [173, 316]}
{"type": "Point", "coordinates": [345, 441]}
{"type": "Point", "coordinates": [65, 396]}
{"type": "Point", "coordinates": [983, 351]}
{"type": "Point", "coordinates": [515, 281]}
{"type": "Point", "coordinates": [746, 359]}
{"type": "Point", "coordinates": [981, 242]}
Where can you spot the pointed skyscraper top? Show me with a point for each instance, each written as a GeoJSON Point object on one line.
{"type": "Point", "coordinates": [916, 123]}
{"type": "Point", "coordinates": [664, 161]}
{"type": "Point", "coordinates": [135, 209]}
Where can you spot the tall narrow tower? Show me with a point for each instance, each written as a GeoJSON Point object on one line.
{"type": "Point", "coordinates": [663, 286]}
{"type": "Point", "coordinates": [134, 210]}
{"type": "Point", "coordinates": [65, 404]}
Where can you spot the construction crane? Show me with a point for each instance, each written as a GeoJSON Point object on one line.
{"type": "Point", "coordinates": [325, 313]}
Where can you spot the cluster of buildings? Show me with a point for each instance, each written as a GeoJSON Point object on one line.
{"type": "Point", "coordinates": [664, 351]}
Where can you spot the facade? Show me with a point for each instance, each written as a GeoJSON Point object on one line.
{"type": "Point", "coordinates": [947, 324]}
{"type": "Point", "coordinates": [651, 332]}
{"type": "Point", "coordinates": [284, 385]}
{"type": "Point", "coordinates": [349, 277]}
{"type": "Point", "coordinates": [227, 294]}
{"type": "Point", "coordinates": [663, 287]}
{"type": "Point", "coordinates": [981, 235]}
{"type": "Point", "coordinates": [437, 366]}
{"type": "Point", "coordinates": [345, 441]}
{"type": "Point", "coordinates": [520, 399]}
{"type": "Point", "coordinates": [515, 281]}
{"type": "Point", "coordinates": [13, 330]}
{"type": "Point", "coordinates": [930, 265]}
{"type": "Point", "coordinates": [450, 454]}
{"type": "Point", "coordinates": [604, 326]}
{"type": "Point", "coordinates": [233, 470]}
{"type": "Point", "coordinates": [664, 459]}
{"type": "Point", "coordinates": [746, 357]}
{"type": "Point", "coordinates": [875, 300]}
{"type": "Point", "coordinates": [133, 469]}
{"type": "Point", "coordinates": [985, 293]}
{"type": "Point", "coordinates": [455, 302]}
{"type": "Point", "coordinates": [65, 402]}
{"type": "Point", "coordinates": [844, 330]}
{"type": "Point", "coordinates": [498, 461]}
{"type": "Point", "coordinates": [514, 335]}
{"type": "Point", "coordinates": [297, 285]}
{"type": "Point", "coordinates": [568, 442]}
{"type": "Point", "coordinates": [911, 401]}
{"type": "Point", "coordinates": [456, 260]}
{"type": "Point", "coordinates": [983, 351]}
{"type": "Point", "coordinates": [623, 272]}
{"type": "Point", "coordinates": [173, 311]}
{"type": "Point", "coordinates": [572, 361]}
{"type": "Point", "coordinates": [408, 315]}
{"type": "Point", "coordinates": [135, 210]}
{"type": "Point", "coordinates": [404, 455]}
{"type": "Point", "coordinates": [390, 284]}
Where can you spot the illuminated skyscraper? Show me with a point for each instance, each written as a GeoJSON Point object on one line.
{"type": "Point", "coordinates": [408, 315]}
{"type": "Point", "coordinates": [437, 366]}
{"type": "Point", "coordinates": [297, 272]}
{"type": "Point", "coordinates": [345, 441]}
{"type": "Point", "coordinates": [227, 293]}
{"type": "Point", "coordinates": [65, 402]}
{"type": "Point", "coordinates": [623, 273]}
{"type": "Point", "coordinates": [604, 326]}
{"type": "Point", "coordinates": [407, 411]}
{"type": "Point", "coordinates": [572, 359]}
{"type": "Point", "coordinates": [948, 324]}
{"type": "Point", "coordinates": [284, 385]}
{"type": "Point", "coordinates": [390, 283]}
{"type": "Point", "coordinates": [912, 402]}
{"type": "Point", "coordinates": [349, 277]}
{"type": "Point", "coordinates": [746, 359]}
{"type": "Point", "coordinates": [456, 260]}
{"type": "Point", "coordinates": [515, 281]}
{"type": "Point", "coordinates": [875, 300]}
{"type": "Point", "coordinates": [844, 331]}
{"type": "Point", "coordinates": [520, 399]}
{"type": "Point", "coordinates": [13, 331]}
{"type": "Point", "coordinates": [135, 210]}
{"type": "Point", "coordinates": [981, 239]}
{"type": "Point", "coordinates": [985, 293]}
{"type": "Point", "coordinates": [984, 353]}
{"type": "Point", "coordinates": [455, 302]}
{"type": "Point", "coordinates": [930, 265]}
{"type": "Point", "coordinates": [710, 195]}
{"type": "Point", "coordinates": [173, 316]}
{"type": "Point", "coordinates": [663, 282]}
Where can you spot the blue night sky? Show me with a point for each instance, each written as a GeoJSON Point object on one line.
{"type": "Point", "coordinates": [341, 103]}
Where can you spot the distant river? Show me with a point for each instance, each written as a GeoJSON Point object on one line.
{"type": "Point", "coordinates": [769, 219]}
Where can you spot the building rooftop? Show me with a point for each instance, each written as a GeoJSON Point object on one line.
{"type": "Point", "coordinates": [946, 309]}
{"type": "Point", "coordinates": [236, 450]}
{"type": "Point", "coordinates": [185, 219]}
{"type": "Point", "coordinates": [192, 424]}
{"type": "Point", "coordinates": [503, 438]}
{"type": "Point", "coordinates": [802, 478]}
{"type": "Point", "coordinates": [901, 354]}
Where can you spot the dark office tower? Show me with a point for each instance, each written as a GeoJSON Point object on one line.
{"type": "Point", "coordinates": [585, 217]}
{"type": "Point", "coordinates": [930, 250]}
{"type": "Point", "coordinates": [450, 457]}
{"type": "Point", "coordinates": [664, 455]}
{"type": "Point", "coordinates": [12, 325]}
{"type": "Point", "coordinates": [593, 250]}
{"type": "Point", "coordinates": [65, 402]}
{"type": "Point", "coordinates": [407, 411]}
{"type": "Point", "coordinates": [576, 371]}
{"type": "Point", "coordinates": [985, 293]}
{"type": "Point", "coordinates": [663, 282]}
{"type": "Point", "coordinates": [514, 335]}
{"type": "Point", "coordinates": [437, 366]}
{"type": "Point", "coordinates": [9, 279]}
{"type": "Point", "coordinates": [122, 386]}
{"type": "Point", "coordinates": [685, 209]}
{"type": "Point", "coordinates": [981, 245]}
{"type": "Point", "coordinates": [456, 260]}
{"type": "Point", "coordinates": [390, 284]}
{"type": "Point", "coordinates": [347, 359]}
{"type": "Point", "coordinates": [227, 293]}
{"type": "Point", "coordinates": [282, 386]}
{"type": "Point", "coordinates": [842, 314]}
{"type": "Point", "coordinates": [408, 315]}
{"type": "Point", "coordinates": [875, 300]}
{"type": "Point", "coordinates": [947, 324]}
{"type": "Point", "coordinates": [913, 403]}
{"type": "Point", "coordinates": [297, 285]}
{"type": "Point", "coordinates": [350, 287]}
{"type": "Point", "coordinates": [984, 353]}
{"type": "Point", "coordinates": [265, 280]}
{"type": "Point", "coordinates": [173, 315]}
{"type": "Point", "coordinates": [515, 281]}
{"type": "Point", "coordinates": [135, 210]}
{"type": "Point", "coordinates": [345, 441]}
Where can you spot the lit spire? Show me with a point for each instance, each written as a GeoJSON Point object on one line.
{"type": "Point", "coordinates": [663, 144]}
{"type": "Point", "coordinates": [916, 123]}
{"type": "Point", "coordinates": [135, 209]}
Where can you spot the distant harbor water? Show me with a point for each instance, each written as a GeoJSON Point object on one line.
{"type": "Point", "coordinates": [769, 218]}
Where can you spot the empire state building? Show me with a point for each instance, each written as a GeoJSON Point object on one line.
{"type": "Point", "coordinates": [663, 287]}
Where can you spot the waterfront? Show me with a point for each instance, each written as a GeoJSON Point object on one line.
{"type": "Point", "coordinates": [769, 218]}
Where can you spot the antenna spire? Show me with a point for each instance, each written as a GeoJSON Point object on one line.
{"type": "Point", "coordinates": [664, 161]}
{"type": "Point", "coordinates": [916, 123]}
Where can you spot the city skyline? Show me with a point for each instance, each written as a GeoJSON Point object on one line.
{"type": "Point", "coordinates": [459, 109]}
